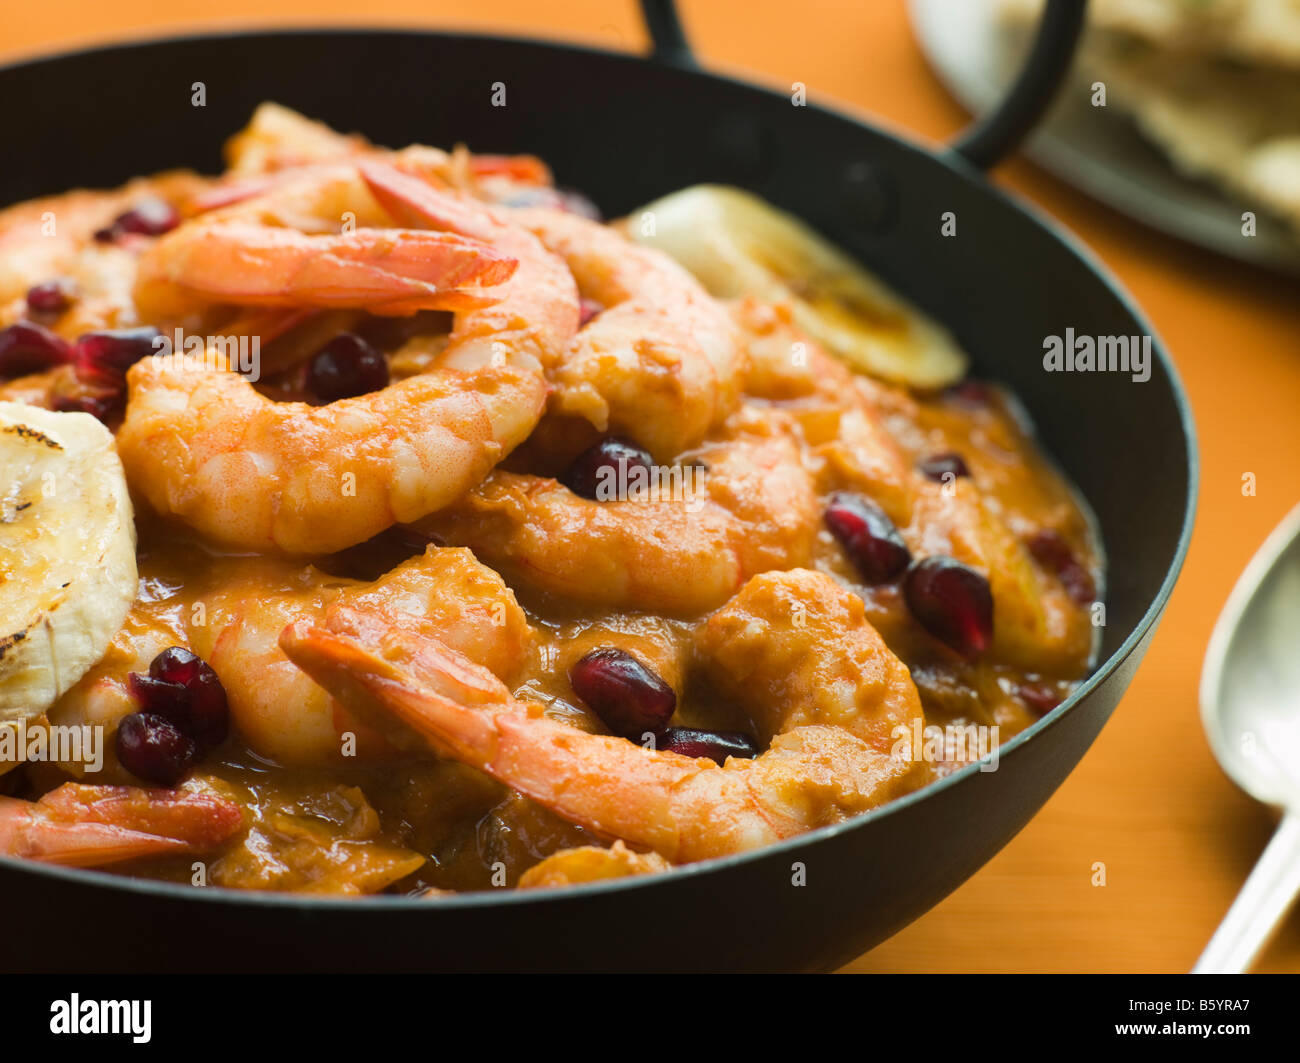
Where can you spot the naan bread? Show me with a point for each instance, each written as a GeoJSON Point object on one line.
{"type": "Point", "coordinates": [1255, 31]}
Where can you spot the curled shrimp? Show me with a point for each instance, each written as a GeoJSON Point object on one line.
{"type": "Point", "coordinates": [756, 510]}
{"type": "Point", "coordinates": [91, 826]}
{"type": "Point", "coordinates": [540, 314]}
{"type": "Point", "coordinates": [201, 444]}
{"type": "Point", "coordinates": [284, 249]}
{"type": "Point", "coordinates": [247, 602]}
{"type": "Point", "coordinates": [661, 363]}
{"type": "Point", "coordinates": [281, 713]}
{"type": "Point", "coordinates": [828, 758]}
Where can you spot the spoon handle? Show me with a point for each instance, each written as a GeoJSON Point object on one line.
{"type": "Point", "coordinates": [1260, 905]}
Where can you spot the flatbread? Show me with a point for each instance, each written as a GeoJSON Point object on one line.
{"type": "Point", "coordinates": [1252, 31]}
{"type": "Point", "coordinates": [1237, 126]}
{"type": "Point", "coordinates": [1216, 119]}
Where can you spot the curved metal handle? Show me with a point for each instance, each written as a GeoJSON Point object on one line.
{"type": "Point", "coordinates": [667, 38]}
{"type": "Point", "coordinates": [988, 140]}
{"type": "Point", "coordinates": [995, 136]}
{"type": "Point", "coordinates": [1259, 907]}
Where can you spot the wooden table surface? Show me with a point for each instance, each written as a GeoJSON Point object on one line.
{"type": "Point", "coordinates": [1148, 800]}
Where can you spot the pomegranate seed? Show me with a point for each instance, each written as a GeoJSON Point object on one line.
{"type": "Point", "coordinates": [952, 602]}
{"type": "Point", "coordinates": [149, 217]}
{"type": "Point", "coordinates": [182, 688]}
{"type": "Point", "coordinates": [1078, 584]}
{"type": "Point", "coordinates": [112, 352]}
{"type": "Point", "coordinates": [1050, 550]}
{"type": "Point", "coordinates": [157, 696]}
{"type": "Point", "coordinates": [26, 347]}
{"type": "Point", "coordinates": [345, 367]}
{"type": "Point", "coordinates": [941, 466]}
{"type": "Point", "coordinates": [587, 309]}
{"type": "Point", "coordinates": [1041, 698]}
{"type": "Point", "coordinates": [52, 297]}
{"type": "Point", "coordinates": [870, 538]}
{"type": "Point", "coordinates": [176, 664]}
{"type": "Point", "coordinates": [716, 745]}
{"type": "Point", "coordinates": [153, 748]}
{"type": "Point", "coordinates": [971, 392]}
{"type": "Point", "coordinates": [623, 692]}
{"type": "Point", "coordinates": [106, 403]}
{"type": "Point", "coordinates": [598, 471]}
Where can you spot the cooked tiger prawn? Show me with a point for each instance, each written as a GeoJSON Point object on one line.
{"type": "Point", "coordinates": [283, 248]}
{"type": "Point", "coordinates": [247, 602]}
{"type": "Point", "coordinates": [92, 826]}
{"type": "Point", "coordinates": [530, 319]}
{"type": "Point", "coordinates": [662, 363]}
{"type": "Point", "coordinates": [830, 723]}
{"type": "Point", "coordinates": [202, 444]}
{"type": "Point", "coordinates": [751, 507]}
{"type": "Point", "coordinates": [282, 714]}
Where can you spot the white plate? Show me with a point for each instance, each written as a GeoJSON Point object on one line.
{"type": "Point", "coordinates": [1097, 150]}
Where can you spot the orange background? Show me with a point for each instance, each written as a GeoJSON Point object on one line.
{"type": "Point", "coordinates": [1148, 800]}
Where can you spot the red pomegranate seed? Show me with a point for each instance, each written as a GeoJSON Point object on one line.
{"type": "Point", "coordinates": [623, 692]}
{"type": "Point", "coordinates": [868, 536]}
{"type": "Point", "coordinates": [716, 745]}
{"type": "Point", "coordinates": [345, 367]}
{"type": "Point", "coordinates": [971, 392]}
{"type": "Point", "coordinates": [111, 352]}
{"type": "Point", "coordinates": [176, 664]}
{"type": "Point", "coordinates": [587, 309]}
{"type": "Point", "coordinates": [1050, 550]}
{"type": "Point", "coordinates": [158, 696]}
{"type": "Point", "coordinates": [941, 466]}
{"type": "Point", "coordinates": [52, 297]}
{"type": "Point", "coordinates": [952, 602]}
{"type": "Point", "coordinates": [153, 748]}
{"type": "Point", "coordinates": [1039, 697]}
{"type": "Point", "coordinates": [182, 688]}
{"type": "Point", "coordinates": [149, 217]}
{"type": "Point", "coordinates": [26, 347]}
{"type": "Point", "coordinates": [599, 472]}
{"type": "Point", "coordinates": [104, 399]}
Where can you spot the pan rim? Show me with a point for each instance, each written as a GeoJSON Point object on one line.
{"type": "Point", "coordinates": [958, 168]}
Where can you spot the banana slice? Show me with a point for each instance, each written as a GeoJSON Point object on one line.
{"type": "Point", "coordinates": [67, 553]}
{"type": "Point", "coordinates": [736, 244]}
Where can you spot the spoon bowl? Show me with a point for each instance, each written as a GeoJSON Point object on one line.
{"type": "Point", "coordinates": [1250, 706]}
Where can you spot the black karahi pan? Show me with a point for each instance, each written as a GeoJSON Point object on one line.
{"type": "Point", "coordinates": [625, 130]}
